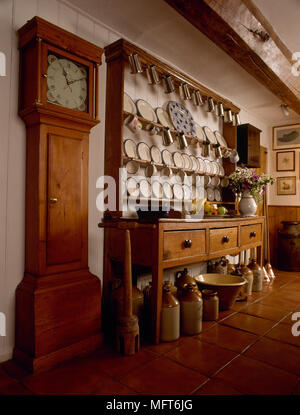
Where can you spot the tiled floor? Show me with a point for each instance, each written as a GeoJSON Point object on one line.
{"type": "Point", "coordinates": [250, 350]}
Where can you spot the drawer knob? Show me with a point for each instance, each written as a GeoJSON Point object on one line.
{"type": "Point", "coordinates": [188, 243]}
{"type": "Point", "coordinates": [252, 234]}
{"type": "Point", "coordinates": [225, 239]}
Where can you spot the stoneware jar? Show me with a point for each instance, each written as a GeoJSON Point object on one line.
{"type": "Point", "coordinates": [247, 204]}
{"type": "Point", "coordinates": [182, 278]}
{"type": "Point", "coordinates": [210, 305]}
{"type": "Point", "coordinates": [243, 296]}
{"type": "Point", "coordinates": [257, 275]}
{"type": "Point", "coordinates": [248, 275]}
{"type": "Point", "coordinates": [191, 309]}
{"type": "Point", "coordinates": [170, 316]}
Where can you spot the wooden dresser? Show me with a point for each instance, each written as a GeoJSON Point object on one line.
{"type": "Point", "coordinates": [169, 243]}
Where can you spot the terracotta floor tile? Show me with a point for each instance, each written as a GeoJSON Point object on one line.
{"type": "Point", "coordinates": [226, 313]}
{"type": "Point", "coordinates": [265, 311]}
{"type": "Point", "coordinates": [14, 370]}
{"type": "Point", "coordinates": [228, 337]}
{"type": "Point", "coordinates": [253, 377]}
{"type": "Point", "coordinates": [163, 347]}
{"type": "Point", "coordinates": [4, 378]}
{"type": "Point", "coordinates": [164, 376]}
{"type": "Point", "coordinates": [277, 354]}
{"type": "Point", "coordinates": [201, 356]}
{"type": "Point", "coordinates": [249, 323]}
{"type": "Point", "coordinates": [216, 387]}
{"type": "Point", "coordinates": [78, 376]}
{"type": "Point", "coordinates": [282, 332]}
{"type": "Point", "coordinates": [113, 387]}
{"type": "Point", "coordinates": [284, 299]}
{"type": "Point", "coordinates": [293, 286]}
{"type": "Point", "coordinates": [14, 388]}
{"type": "Point", "coordinates": [288, 320]}
{"type": "Point", "coordinates": [239, 305]}
{"type": "Point", "coordinates": [115, 365]}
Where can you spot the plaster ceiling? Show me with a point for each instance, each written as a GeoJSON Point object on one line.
{"type": "Point", "coordinates": [155, 26]}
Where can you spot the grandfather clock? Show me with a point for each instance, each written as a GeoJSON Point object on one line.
{"type": "Point", "coordinates": [58, 312]}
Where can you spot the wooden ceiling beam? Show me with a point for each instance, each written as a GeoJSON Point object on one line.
{"type": "Point", "coordinates": [231, 25]}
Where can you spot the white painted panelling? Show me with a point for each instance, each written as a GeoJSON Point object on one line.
{"type": "Point", "coordinates": [67, 18]}
{"type": "Point", "coordinates": [23, 11]}
{"type": "Point", "coordinates": [85, 28]}
{"type": "Point", "coordinates": [48, 10]}
{"type": "Point", "coordinates": [101, 35]}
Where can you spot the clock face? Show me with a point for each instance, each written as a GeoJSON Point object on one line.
{"type": "Point", "coordinates": [67, 83]}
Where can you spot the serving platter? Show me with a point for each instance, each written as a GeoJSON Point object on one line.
{"type": "Point", "coordinates": [167, 157]}
{"type": "Point", "coordinates": [167, 190]}
{"type": "Point", "coordinates": [145, 188]}
{"type": "Point", "coordinates": [181, 118]}
{"type": "Point", "coordinates": [178, 191]}
{"type": "Point", "coordinates": [187, 161]}
{"type": "Point", "coordinates": [195, 164]}
{"type": "Point", "coordinates": [199, 132]}
{"type": "Point", "coordinates": [178, 159]}
{"type": "Point", "coordinates": [157, 189]}
{"type": "Point", "coordinates": [156, 154]}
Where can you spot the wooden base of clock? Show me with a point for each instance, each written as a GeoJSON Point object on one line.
{"type": "Point", "coordinates": [57, 317]}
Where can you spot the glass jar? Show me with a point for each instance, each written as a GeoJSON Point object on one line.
{"type": "Point", "coordinates": [210, 305]}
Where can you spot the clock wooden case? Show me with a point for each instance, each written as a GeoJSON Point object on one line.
{"type": "Point", "coordinates": [58, 302]}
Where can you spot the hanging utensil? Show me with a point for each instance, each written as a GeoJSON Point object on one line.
{"type": "Point", "coordinates": [227, 115]}
{"type": "Point", "coordinates": [210, 105]}
{"type": "Point", "coordinates": [135, 63]}
{"type": "Point", "coordinates": [186, 91]}
{"type": "Point", "coordinates": [220, 109]}
{"type": "Point", "coordinates": [167, 136]}
{"type": "Point", "coordinates": [182, 141]}
{"type": "Point", "coordinates": [168, 84]}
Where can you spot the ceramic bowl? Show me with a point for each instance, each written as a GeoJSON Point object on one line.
{"type": "Point", "coordinates": [227, 286]}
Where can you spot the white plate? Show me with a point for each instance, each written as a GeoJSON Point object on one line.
{"type": "Point", "coordinates": [167, 157]}
{"type": "Point", "coordinates": [157, 189]}
{"type": "Point", "coordinates": [186, 192]}
{"type": "Point", "coordinates": [201, 165]}
{"type": "Point", "coordinates": [178, 159]}
{"type": "Point", "coordinates": [210, 135]}
{"type": "Point", "coordinates": [143, 151]}
{"type": "Point", "coordinates": [218, 196]}
{"type": "Point", "coordinates": [221, 170]}
{"type": "Point", "coordinates": [210, 194]}
{"type": "Point", "coordinates": [164, 118]}
{"type": "Point", "coordinates": [214, 167]}
{"type": "Point", "coordinates": [132, 187]}
{"type": "Point", "coordinates": [129, 105]}
{"type": "Point", "coordinates": [178, 191]}
{"type": "Point", "coordinates": [221, 140]}
{"type": "Point", "coordinates": [145, 110]}
{"type": "Point", "coordinates": [156, 154]}
{"type": "Point", "coordinates": [187, 161]}
{"type": "Point", "coordinates": [132, 167]}
{"type": "Point", "coordinates": [199, 132]}
{"type": "Point", "coordinates": [130, 148]}
{"type": "Point", "coordinates": [215, 181]}
{"type": "Point", "coordinates": [217, 167]}
{"type": "Point", "coordinates": [167, 190]}
{"type": "Point", "coordinates": [145, 188]}
{"type": "Point", "coordinates": [195, 164]}
{"type": "Point", "coordinates": [208, 167]}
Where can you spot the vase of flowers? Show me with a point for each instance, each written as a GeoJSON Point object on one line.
{"type": "Point", "coordinates": [249, 187]}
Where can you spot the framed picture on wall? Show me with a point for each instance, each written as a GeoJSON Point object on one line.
{"type": "Point", "coordinates": [285, 161]}
{"type": "Point", "coordinates": [286, 136]}
{"type": "Point", "coordinates": [286, 185]}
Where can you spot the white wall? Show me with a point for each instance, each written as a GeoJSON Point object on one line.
{"type": "Point", "coordinates": [13, 15]}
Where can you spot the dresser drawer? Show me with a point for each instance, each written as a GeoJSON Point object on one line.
{"type": "Point", "coordinates": [181, 244]}
{"type": "Point", "coordinates": [221, 239]}
{"type": "Point", "coordinates": [250, 234]}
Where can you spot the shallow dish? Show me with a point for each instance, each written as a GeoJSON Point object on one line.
{"type": "Point", "coordinates": [187, 161]}
{"type": "Point", "coordinates": [146, 111]}
{"type": "Point", "coordinates": [130, 148]}
{"type": "Point", "coordinates": [195, 164]}
{"type": "Point", "coordinates": [132, 167]}
{"type": "Point", "coordinates": [199, 132]}
{"type": "Point", "coordinates": [178, 191]}
{"type": "Point", "coordinates": [178, 159]}
{"type": "Point", "coordinates": [210, 194]}
{"type": "Point", "coordinates": [132, 187]}
{"type": "Point", "coordinates": [129, 105]}
{"type": "Point", "coordinates": [218, 196]}
{"type": "Point", "coordinates": [210, 135]}
{"type": "Point", "coordinates": [220, 139]}
{"type": "Point", "coordinates": [143, 151]}
{"type": "Point", "coordinates": [156, 154]}
{"type": "Point", "coordinates": [164, 118]}
{"type": "Point", "coordinates": [167, 157]}
{"type": "Point", "coordinates": [227, 286]}
{"type": "Point", "coordinates": [157, 189]}
{"type": "Point", "coordinates": [167, 190]}
{"type": "Point", "coordinates": [145, 188]}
